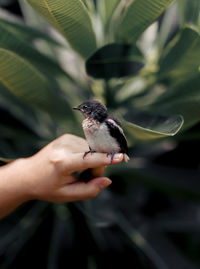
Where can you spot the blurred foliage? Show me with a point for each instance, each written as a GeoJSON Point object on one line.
{"type": "Point", "coordinates": [140, 58]}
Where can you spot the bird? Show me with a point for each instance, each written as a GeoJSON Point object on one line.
{"type": "Point", "coordinates": [103, 132]}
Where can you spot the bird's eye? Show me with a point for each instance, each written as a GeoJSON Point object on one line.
{"type": "Point", "coordinates": [85, 106]}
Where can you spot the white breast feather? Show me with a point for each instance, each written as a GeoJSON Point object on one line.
{"type": "Point", "coordinates": [99, 138]}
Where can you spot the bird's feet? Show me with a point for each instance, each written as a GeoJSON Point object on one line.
{"type": "Point", "coordinates": [87, 152]}
{"type": "Point", "coordinates": [111, 154]}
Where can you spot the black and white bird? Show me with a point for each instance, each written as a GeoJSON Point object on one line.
{"type": "Point", "coordinates": [103, 132]}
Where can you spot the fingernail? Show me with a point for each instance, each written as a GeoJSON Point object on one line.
{"type": "Point", "coordinates": [118, 157]}
{"type": "Point", "coordinates": [105, 183]}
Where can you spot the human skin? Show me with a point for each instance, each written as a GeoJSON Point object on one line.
{"type": "Point", "coordinates": [49, 175]}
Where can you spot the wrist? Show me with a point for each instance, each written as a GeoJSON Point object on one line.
{"type": "Point", "coordinates": [37, 175]}
{"type": "Point", "coordinates": [27, 177]}
{"type": "Point", "coordinates": [13, 189]}
{"type": "Point", "coordinates": [20, 181]}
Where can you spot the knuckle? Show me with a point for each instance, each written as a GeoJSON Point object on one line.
{"type": "Point", "coordinates": [55, 157]}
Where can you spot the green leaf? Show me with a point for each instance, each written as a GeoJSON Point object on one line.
{"type": "Point", "coordinates": [144, 126]}
{"type": "Point", "coordinates": [139, 14]}
{"type": "Point", "coordinates": [180, 68]}
{"type": "Point", "coordinates": [189, 12]}
{"type": "Point", "coordinates": [107, 8]}
{"type": "Point", "coordinates": [110, 7]}
{"type": "Point", "coordinates": [182, 58]}
{"type": "Point", "coordinates": [10, 38]}
{"type": "Point", "coordinates": [90, 5]}
{"type": "Point", "coordinates": [184, 99]}
{"type": "Point", "coordinates": [114, 60]}
{"type": "Point", "coordinates": [26, 33]}
{"type": "Point", "coordinates": [71, 19]}
{"type": "Point", "coordinates": [11, 41]}
{"type": "Point", "coordinates": [24, 81]}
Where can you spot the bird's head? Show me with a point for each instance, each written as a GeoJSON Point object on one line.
{"type": "Point", "coordinates": [93, 109]}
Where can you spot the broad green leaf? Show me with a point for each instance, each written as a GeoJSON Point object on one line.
{"type": "Point", "coordinates": [144, 126]}
{"type": "Point", "coordinates": [11, 41]}
{"type": "Point", "coordinates": [183, 99]}
{"type": "Point", "coordinates": [26, 33]}
{"type": "Point", "coordinates": [110, 7]}
{"type": "Point", "coordinates": [10, 38]}
{"type": "Point", "coordinates": [90, 4]}
{"type": "Point", "coordinates": [138, 15]}
{"type": "Point", "coordinates": [72, 20]}
{"type": "Point", "coordinates": [182, 59]}
{"type": "Point", "coordinates": [107, 8]}
{"type": "Point", "coordinates": [189, 11]}
{"type": "Point", "coordinates": [24, 81]}
{"type": "Point", "coordinates": [114, 60]}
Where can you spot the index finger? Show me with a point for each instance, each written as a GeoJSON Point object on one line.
{"type": "Point", "coordinates": [78, 163]}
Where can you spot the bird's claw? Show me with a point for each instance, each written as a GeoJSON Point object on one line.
{"type": "Point", "coordinates": [112, 154]}
{"type": "Point", "coordinates": [87, 152]}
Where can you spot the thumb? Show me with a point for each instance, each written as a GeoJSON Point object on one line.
{"type": "Point", "coordinates": [82, 191]}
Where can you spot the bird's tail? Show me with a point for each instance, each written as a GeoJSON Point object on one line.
{"type": "Point", "coordinates": [126, 158]}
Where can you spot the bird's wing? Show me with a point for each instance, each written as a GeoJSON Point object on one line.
{"type": "Point", "coordinates": [116, 131]}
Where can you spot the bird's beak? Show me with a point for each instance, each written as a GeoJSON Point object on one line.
{"type": "Point", "coordinates": [76, 108]}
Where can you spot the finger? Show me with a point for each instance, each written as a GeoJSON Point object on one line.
{"type": "Point", "coordinates": [98, 171]}
{"type": "Point", "coordinates": [68, 179]}
{"type": "Point", "coordinates": [77, 162]}
{"type": "Point", "coordinates": [83, 191]}
{"type": "Point", "coordinates": [91, 173]}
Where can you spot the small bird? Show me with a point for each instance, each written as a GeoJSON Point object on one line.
{"type": "Point", "coordinates": [103, 132]}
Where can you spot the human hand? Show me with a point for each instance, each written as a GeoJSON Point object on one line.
{"type": "Point", "coordinates": [50, 175]}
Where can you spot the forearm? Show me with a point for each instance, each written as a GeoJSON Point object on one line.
{"type": "Point", "coordinates": [12, 186]}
